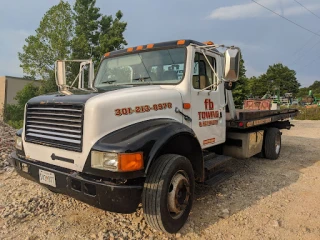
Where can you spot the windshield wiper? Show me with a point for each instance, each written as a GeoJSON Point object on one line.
{"type": "Point", "coordinates": [109, 81]}
{"type": "Point", "coordinates": [141, 79]}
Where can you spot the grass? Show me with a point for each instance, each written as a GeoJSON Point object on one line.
{"type": "Point", "coordinates": [307, 113]}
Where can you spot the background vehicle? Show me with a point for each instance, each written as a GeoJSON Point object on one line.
{"type": "Point", "coordinates": [155, 119]}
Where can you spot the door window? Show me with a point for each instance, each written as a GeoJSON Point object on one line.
{"type": "Point", "coordinates": [203, 76]}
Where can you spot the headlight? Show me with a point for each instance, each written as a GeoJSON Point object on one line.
{"type": "Point", "coordinates": [117, 162]}
{"type": "Point", "coordinates": [18, 143]}
{"type": "Point", "coordinates": [105, 161]}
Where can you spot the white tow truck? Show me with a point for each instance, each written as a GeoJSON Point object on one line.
{"type": "Point", "coordinates": [154, 120]}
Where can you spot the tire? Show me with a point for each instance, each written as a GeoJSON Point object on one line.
{"type": "Point", "coordinates": [272, 143]}
{"type": "Point", "coordinates": [164, 210]}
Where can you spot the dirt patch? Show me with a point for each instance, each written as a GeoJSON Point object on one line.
{"type": "Point", "coordinates": [262, 200]}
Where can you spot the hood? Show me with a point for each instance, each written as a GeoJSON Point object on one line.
{"type": "Point", "coordinates": [79, 96]}
{"type": "Point", "coordinates": [103, 114]}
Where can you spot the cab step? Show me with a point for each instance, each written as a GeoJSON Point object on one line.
{"type": "Point", "coordinates": [212, 161]}
{"type": "Point", "coordinates": [208, 155]}
{"type": "Point", "coordinates": [218, 177]}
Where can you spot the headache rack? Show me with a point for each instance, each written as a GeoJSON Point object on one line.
{"type": "Point", "coordinates": [55, 125]}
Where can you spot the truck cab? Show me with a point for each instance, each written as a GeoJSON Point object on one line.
{"type": "Point", "coordinates": [154, 120]}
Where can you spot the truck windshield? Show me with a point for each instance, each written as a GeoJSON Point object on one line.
{"type": "Point", "coordinates": [153, 67]}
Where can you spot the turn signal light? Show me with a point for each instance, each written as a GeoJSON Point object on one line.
{"type": "Point", "coordinates": [107, 54]}
{"type": "Point", "coordinates": [117, 162]}
{"type": "Point", "coordinates": [129, 162]}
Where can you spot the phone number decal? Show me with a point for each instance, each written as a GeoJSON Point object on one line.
{"type": "Point", "coordinates": [142, 109]}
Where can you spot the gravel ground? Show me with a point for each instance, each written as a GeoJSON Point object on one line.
{"type": "Point", "coordinates": [7, 134]}
{"type": "Point", "coordinates": [262, 200]}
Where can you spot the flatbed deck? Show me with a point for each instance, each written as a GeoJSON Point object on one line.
{"type": "Point", "coordinates": [252, 118]}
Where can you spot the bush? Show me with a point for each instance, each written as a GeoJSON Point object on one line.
{"type": "Point", "coordinates": [13, 114]}
{"type": "Point", "coordinates": [16, 124]}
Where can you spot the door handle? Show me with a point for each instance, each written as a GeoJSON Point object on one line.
{"type": "Point", "coordinates": [186, 117]}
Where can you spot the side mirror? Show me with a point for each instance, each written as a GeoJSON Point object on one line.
{"type": "Point", "coordinates": [88, 65]}
{"type": "Point", "coordinates": [91, 74]}
{"type": "Point", "coordinates": [232, 64]}
{"type": "Point", "coordinates": [60, 73]}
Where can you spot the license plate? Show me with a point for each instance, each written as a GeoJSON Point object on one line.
{"type": "Point", "coordinates": [47, 178]}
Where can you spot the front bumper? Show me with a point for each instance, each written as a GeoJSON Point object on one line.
{"type": "Point", "coordinates": [105, 195]}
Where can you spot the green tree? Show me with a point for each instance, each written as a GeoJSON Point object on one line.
{"type": "Point", "coordinates": [95, 34]}
{"type": "Point", "coordinates": [52, 41]}
{"type": "Point", "coordinates": [259, 86]}
{"type": "Point", "coordinates": [276, 76]}
{"type": "Point", "coordinates": [64, 34]}
{"type": "Point", "coordinates": [303, 92]}
{"type": "Point", "coordinates": [241, 90]}
{"type": "Point", "coordinates": [256, 87]}
{"type": "Point", "coordinates": [111, 37]}
{"type": "Point", "coordinates": [315, 87]}
{"type": "Point", "coordinates": [86, 39]}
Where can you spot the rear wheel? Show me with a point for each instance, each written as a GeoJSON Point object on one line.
{"type": "Point", "coordinates": [168, 193]}
{"type": "Point", "coordinates": [272, 143]}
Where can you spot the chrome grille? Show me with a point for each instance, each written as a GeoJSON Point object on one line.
{"type": "Point", "coordinates": [55, 125]}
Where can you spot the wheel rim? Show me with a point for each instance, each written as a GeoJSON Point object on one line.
{"type": "Point", "coordinates": [178, 194]}
{"type": "Point", "coordinates": [278, 144]}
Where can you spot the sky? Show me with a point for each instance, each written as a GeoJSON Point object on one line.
{"type": "Point", "coordinates": [264, 38]}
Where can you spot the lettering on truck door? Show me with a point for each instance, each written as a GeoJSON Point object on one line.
{"type": "Point", "coordinates": [208, 120]}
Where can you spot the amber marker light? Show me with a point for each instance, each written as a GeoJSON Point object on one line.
{"type": "Point", "coordinates": [209, 43]}
{"type": "Point", "coordinates": [129, 162]}
{"type": "Point", "coordinates": [186, 106]}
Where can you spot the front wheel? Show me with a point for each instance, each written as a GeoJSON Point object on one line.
{"type": "Point", "coordinates": [168, 193]}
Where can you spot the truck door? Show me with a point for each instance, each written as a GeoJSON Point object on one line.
{"type": "Point", "coordinates": [208, 116]}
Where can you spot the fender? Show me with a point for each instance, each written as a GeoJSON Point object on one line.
{"type": "Point", "coordinates": [153, 138]}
